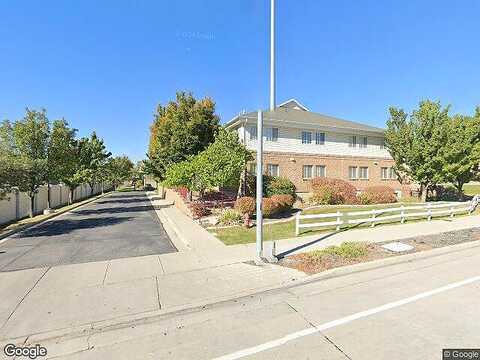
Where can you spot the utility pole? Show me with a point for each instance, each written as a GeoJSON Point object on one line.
{"type": "Point", "coordinates": [259, 192]}
{"type": "Point", "coordinates": [272, 55]}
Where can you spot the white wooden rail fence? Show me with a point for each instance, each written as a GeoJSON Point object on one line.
{"type": "Point", "coordinates": [400, 213]}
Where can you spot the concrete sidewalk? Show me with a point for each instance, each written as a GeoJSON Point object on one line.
{"type": "Point", "coordinates": [50, 302]}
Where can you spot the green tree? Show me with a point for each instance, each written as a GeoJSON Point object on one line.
{"type": "Point", "coordinates": [461, 152]}
{"type": "Point", "coordinates": [415, 143]}
{"type": "Point", "coordinates": [25, 143]}
{"type": "Point", "coordinates": [219, 165]}
{"type": "Point", "coordinates": [62, 154]}
{"type": "Point", "coordinates": [93, 159]}
{"type": "Point", "coordinates": [119, 169]}
{"type": "Point", "coordinates": [182, 128]}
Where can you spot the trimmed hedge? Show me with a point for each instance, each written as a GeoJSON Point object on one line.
{"type": "Point", "coordinates": [279, 186]}
{"type": "Point", "coordinates": [332, 192]}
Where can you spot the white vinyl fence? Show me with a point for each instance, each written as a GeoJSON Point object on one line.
{"type": "Point", "coordinates": [401, 213]}
{"type": "Point", "coordinates": [17, 204]}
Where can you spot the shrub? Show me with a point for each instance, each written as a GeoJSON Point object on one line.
{"type": "Point", "coordinates": [332, 192]}
{"type": "Point", "coordinates": [284, 202]}
{"type": "Point", "coordinates": [269, 207]}
{"type": "Point", "coordinates": [199, 209]}
{"type": "Point", "coordinates": [245, 205]}
{"type": "Point", "coordinates": [379, 194]}
{"type": "Point", "coordinates": [229, 217]}
{"type": "Point", "coordinates": [279, 186]}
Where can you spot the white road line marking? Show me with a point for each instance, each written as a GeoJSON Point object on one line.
{"type": "Point", "coordinates": [344, 320]}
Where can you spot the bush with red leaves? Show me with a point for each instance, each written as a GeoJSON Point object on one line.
{"type": "Point", "coordinates": [380, 194]}
{"type": "Point", "coordinates": [245, 205]}
{"type": "Point", "coordinates": [332, 192]}
{"type": "Point", "coordinates": [284, 202]}
{"type": "Point", "coordinates": [199, 209]}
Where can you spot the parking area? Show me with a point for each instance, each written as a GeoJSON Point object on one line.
{"type": "Point", "coordinates": [116, 226]}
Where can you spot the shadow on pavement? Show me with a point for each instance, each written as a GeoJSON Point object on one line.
{"type": "Point", "coordinates": [122, 200]}
{"type": "Point", "coordinates": [65, 226]}
{"type": "Point", "coordinates": [117, 210]}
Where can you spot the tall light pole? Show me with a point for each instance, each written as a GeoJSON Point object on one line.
{"type": "Point", "coordinates": [259, 192]}
{"type": "Point", "coordinates": [272, 55]}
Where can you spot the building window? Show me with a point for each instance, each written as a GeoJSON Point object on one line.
{"type": "Point", "coordinates": [363, 173]}
{"type": "Point", "coordinates": [271, 134]}
{"type": "Point", "coordinates": [388, 173]}
{"type": "Point", "coordinates": [352, 172]}
{"type": "Point", "coordinates": [253, 133]}
{"type": "Point", "coordinates": [353, 141]}
{"type": "Point", "coordinates": [383, 144]}
{"type": "Point", "coordinates": [252, 168]}
{"type": "Point", "coordinates": [320, 170]}
{"type": "Point", "coordinates": [307, 171]}
{"type": "Point", "coordinates": [320, 138]}
{"type": "Point", "coordinates": [272, 169]}
{"type": "Point", "coordinates": [306, 137]}
{"type": "Point", "coordinates": [364, 142]}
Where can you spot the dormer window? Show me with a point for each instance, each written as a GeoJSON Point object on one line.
{"type": "Point", "coordinates": [353, 141]}
{"type": "Point", "coordinates": [306, 137]}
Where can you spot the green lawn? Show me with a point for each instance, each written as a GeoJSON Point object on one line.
{"type": "Point", "coordinates": [471, 189]}
{"type": "Point", "coordinates": [284, 230]}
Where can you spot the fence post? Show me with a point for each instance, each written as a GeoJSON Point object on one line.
{"type": "Point", "coordinates": [297, 224]}
{"type": "Point", "coordinates": [373, 219]}
{"type": "Point", "coordinates": [429, 212]}
{"type": "Point", "coordinates": [339, 214]}
{"type": "Point", "coordinates": [402, 215]}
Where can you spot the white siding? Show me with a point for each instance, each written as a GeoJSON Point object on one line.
{"type": "Point", "coordinates": [336, 143]}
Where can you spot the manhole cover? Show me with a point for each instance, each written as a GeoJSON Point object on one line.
{"type": "Point", "coordinates": [397, 247]}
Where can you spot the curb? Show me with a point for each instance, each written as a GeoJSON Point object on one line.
{"type": "Point", "coordinates": [51, 216]}
{"type": "Point", "coordinates": [157, 315]}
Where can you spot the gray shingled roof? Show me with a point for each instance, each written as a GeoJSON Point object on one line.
{"type": "Point", "coordinates": [308, 117]}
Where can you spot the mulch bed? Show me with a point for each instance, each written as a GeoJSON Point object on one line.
{"type": "Point", "coordinates": [310, 265]}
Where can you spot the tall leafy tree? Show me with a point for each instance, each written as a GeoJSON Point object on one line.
{"type": "Point", "coordinates": [415, 143]}
{"type": "Point", "coordinates": [25, 146]}
{"type": "Point", "coordinates": [119, 169]}
{"type": "Point", "coordinates": [461, 152]}
{"type": "Point", "coordinates": [62, 154]}
{"type": "Point", "coordinates": [93, 159]}
{"type": "Point", "coordinates": [182, 128]}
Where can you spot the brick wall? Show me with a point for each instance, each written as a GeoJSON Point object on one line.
{"type": "Point", "coordinates": [291, 166]}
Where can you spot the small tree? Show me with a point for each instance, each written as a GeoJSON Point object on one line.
{"type": "Point", "coordinates": [119, 169]}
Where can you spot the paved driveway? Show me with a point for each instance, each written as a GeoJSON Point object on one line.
{"type": "Point", "coordinates": [117, 226]}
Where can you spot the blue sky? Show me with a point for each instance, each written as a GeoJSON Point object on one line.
{"type": "Point", "coordinates": [104, 65]}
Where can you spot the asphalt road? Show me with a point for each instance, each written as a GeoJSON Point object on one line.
{"type": "Point", "coordinates": [405, 311]}
{"type": "Point", "coordinates": [116, 226]}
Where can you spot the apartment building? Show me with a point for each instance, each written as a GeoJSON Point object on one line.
{"type": "Point", "coordinates": [300, 144]}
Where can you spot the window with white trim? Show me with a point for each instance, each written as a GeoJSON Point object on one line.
{"type": "Point", "coordinates": [271, 134]}
{"type": "Point", "coordinates": [320, 138]}
{"type": "Point", "coordinates": [363, 173]}
{"type": "Point", "coordinates": [272, 169]}
{"type": "Point", "coordinates": [306, 137]}
{"type": "Point", "coordinates": [352, 172]}
{"type": "Point", "coordinates": [307, 171]}
{"type": "Point", "coordinates": [253, 132]}
{"type": "Point", "coordinates": [320, 171]}
{"type": "Point", "coordinates": [353, 141]}
{"type": "Point", "coordinates": [252, 168]}
{"type": "Point", "coordinates": [363, 142]}
{"type": "Point", "coordinates": [388, 173]}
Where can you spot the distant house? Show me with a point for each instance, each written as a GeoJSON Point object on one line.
{"type": "Point", "coordinates": [300, 144]}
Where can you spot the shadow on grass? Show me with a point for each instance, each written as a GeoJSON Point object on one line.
{"type": "Point", "coordinates": [324, 237]}
{"type": "Point", "coordinates": [66, 226]}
